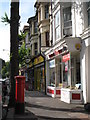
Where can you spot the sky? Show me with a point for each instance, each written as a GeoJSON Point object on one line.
{"type": "Point", "coordinates": [26, 10]}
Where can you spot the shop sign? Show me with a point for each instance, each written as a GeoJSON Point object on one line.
{"type": "Point", "coordinates": [56, 53]}
{"type": "Point", "coordinates": [66, 57]}
{"type": "Point", "coordinates": [52, 63]}
{"type": "Point", "coordinates": [78, 46]}
{"type": "Point", "coordinates": [31, 64]}
{"type": "Point", "coordinates": [38, 60]}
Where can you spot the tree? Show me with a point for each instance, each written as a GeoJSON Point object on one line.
{"type": "Point", "coordinates": [6, 70]}
{"type": "Point", "coordinates": [5, 19]}
{"type": "Point", "coordinates": [22, 54]}
{"type": "Point", "coordinates": [14, 24]}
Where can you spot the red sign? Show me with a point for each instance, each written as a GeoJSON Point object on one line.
{"type": "Point", "coordinates": [66, 57]}
{"type": "Point", "coordinates": [56, 53]}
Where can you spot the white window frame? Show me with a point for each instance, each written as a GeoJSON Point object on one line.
{"type": "Point", "coordinates": [57, 25]}
{"type": "Point", "coordinates": [67, 24]}
{"type": "Point", "coordinates": [46, 11]}
{"type": "Point", "coordinates": [88, 11]}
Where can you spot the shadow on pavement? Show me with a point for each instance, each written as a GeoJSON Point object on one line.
{"type": "Point", "coordinates": [51, 118]}
{"type": "Point", "coordinates": [34, 94]}
{"type": "Point", "coordinates": [75, 109]}
{"type": "Point", "coordinates": [26, 116]}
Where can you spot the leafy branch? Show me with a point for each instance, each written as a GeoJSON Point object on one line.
{"type": "Point", "coordinates": [5, 19]}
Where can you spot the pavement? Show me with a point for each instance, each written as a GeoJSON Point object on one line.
{"type": "Point", "coordinates": [42, 107]}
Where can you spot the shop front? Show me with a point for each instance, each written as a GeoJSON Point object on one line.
{"type": "Point", "coordinates": [72, 86]}
{"type": "Point", "coordinates": [53, 74]}
{"type": "Point", "coordinates": [39, 73]}
{"type": "Point", "coordinates": [30, 73]}
{"type": "Point", "coordinates": [63, 73]}
{"type": "Point", "coordinates": [71, 91]}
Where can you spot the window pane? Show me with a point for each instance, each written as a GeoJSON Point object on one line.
{"type": "Point", "coordinates": [35, 27]}
{"type": "Point", "coordinates": [47, 39]}
{"type": "Point", "coordinates": [46, 11]}
{"type": "Point", "coordinates": [57, 31]}
{"type": "Point", "coordinates": [57, 19]}
{"type": "Point", "coordinates": [67, 21]}
{"type": "Point", "coordinates": [67, 14]}
{"type": "Point", "coordinates": [35, 52]}
{"type": "Point", "coordinates": [35, 45]}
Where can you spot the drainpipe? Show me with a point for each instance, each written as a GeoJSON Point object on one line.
{"type": "Point", "coordinates": [51, 25]}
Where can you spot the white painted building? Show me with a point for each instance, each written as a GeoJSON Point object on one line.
{"type": "Point", "coordinates": [69, 31]}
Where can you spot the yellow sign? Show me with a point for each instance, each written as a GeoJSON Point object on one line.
{"type": "Point", "coordinates": [31, 64]}
{"type": "Point", "coordinates": [38, 60]}
{"type": "Point", "coordinates": [78, 46]}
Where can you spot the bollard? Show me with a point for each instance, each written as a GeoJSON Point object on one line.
{"type": "Point", "coordinates": [19, 94]}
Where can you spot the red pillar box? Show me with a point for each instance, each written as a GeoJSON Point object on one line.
{"type": "Point", "coordinates": [19, 94]}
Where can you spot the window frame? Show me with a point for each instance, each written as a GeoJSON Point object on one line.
{"type": "Point", "coordinates": [35, 26]}
{"type": "Point", "coordinates": [47, 38]}
{"type": "Point", "coordinates": [57, 25]}
{"type": "Point", "coordinates": [88, 12]}
{"type": "Point", "coordinates": [46, 11]}
{"type": "Point", "coordinates": [67, 22]}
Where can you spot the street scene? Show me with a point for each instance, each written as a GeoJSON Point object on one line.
{"type": "Point", "coordinates": [44, 70]}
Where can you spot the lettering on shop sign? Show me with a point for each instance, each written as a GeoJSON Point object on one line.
{"type": "Point", "coordinates": [38, 60]}
{"type": "Point", "coordinates": [66, 57]}
{"type": "Point", "coordinates": [31, 64]}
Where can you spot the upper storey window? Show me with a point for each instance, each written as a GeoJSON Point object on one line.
{"type": "Point", "coordinates": [57, 25]}
{"type": "Point", "coordinates": [47, 39]}
{"type": "Point", "coordinates": [88, 10]}
{"type": "Point", "coordinates": [35, 48]}
{"type": "Point", "coordinates": [67, 21]}
{"type": "Point", "coordinates": [46, 11]}
{"type": "Point", "coordinates": [35, 27]}
{"type": "Point", "coordinates": [30, 29]}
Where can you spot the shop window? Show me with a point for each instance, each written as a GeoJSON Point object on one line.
{"type": "Point", "coordinates": [88, 10]}
{"type": "Point", "coordinates": [47, 39]}
{"type": "Point", "coordinates": [52, 72]}
{"type": "Point", "coordinates": [57, 25]}
{"type": "Point", "coordinates": [46, 11]}
{"type": "Point", "coordinates": [78, 78]}
{"type": "Point", "coordinates": [42, 80]}
{"type": "Point", "coordinates": [72, 72]}
{"type": "Point", "coordinates": [65, 72]}
{"type": "Point", "coordinates": [67, 31]}
{"type": "Point", "coordinates": [75, 71]}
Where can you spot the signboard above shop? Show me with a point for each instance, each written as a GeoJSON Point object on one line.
{"type": "Point", "coordinates": [73, 43]}
{"type": "Point", "coordinates": [52, 63]}
{"type": "Point", "coordinates": [66, 57]}
{"type": "Point", "coordinates": [38, 60]}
